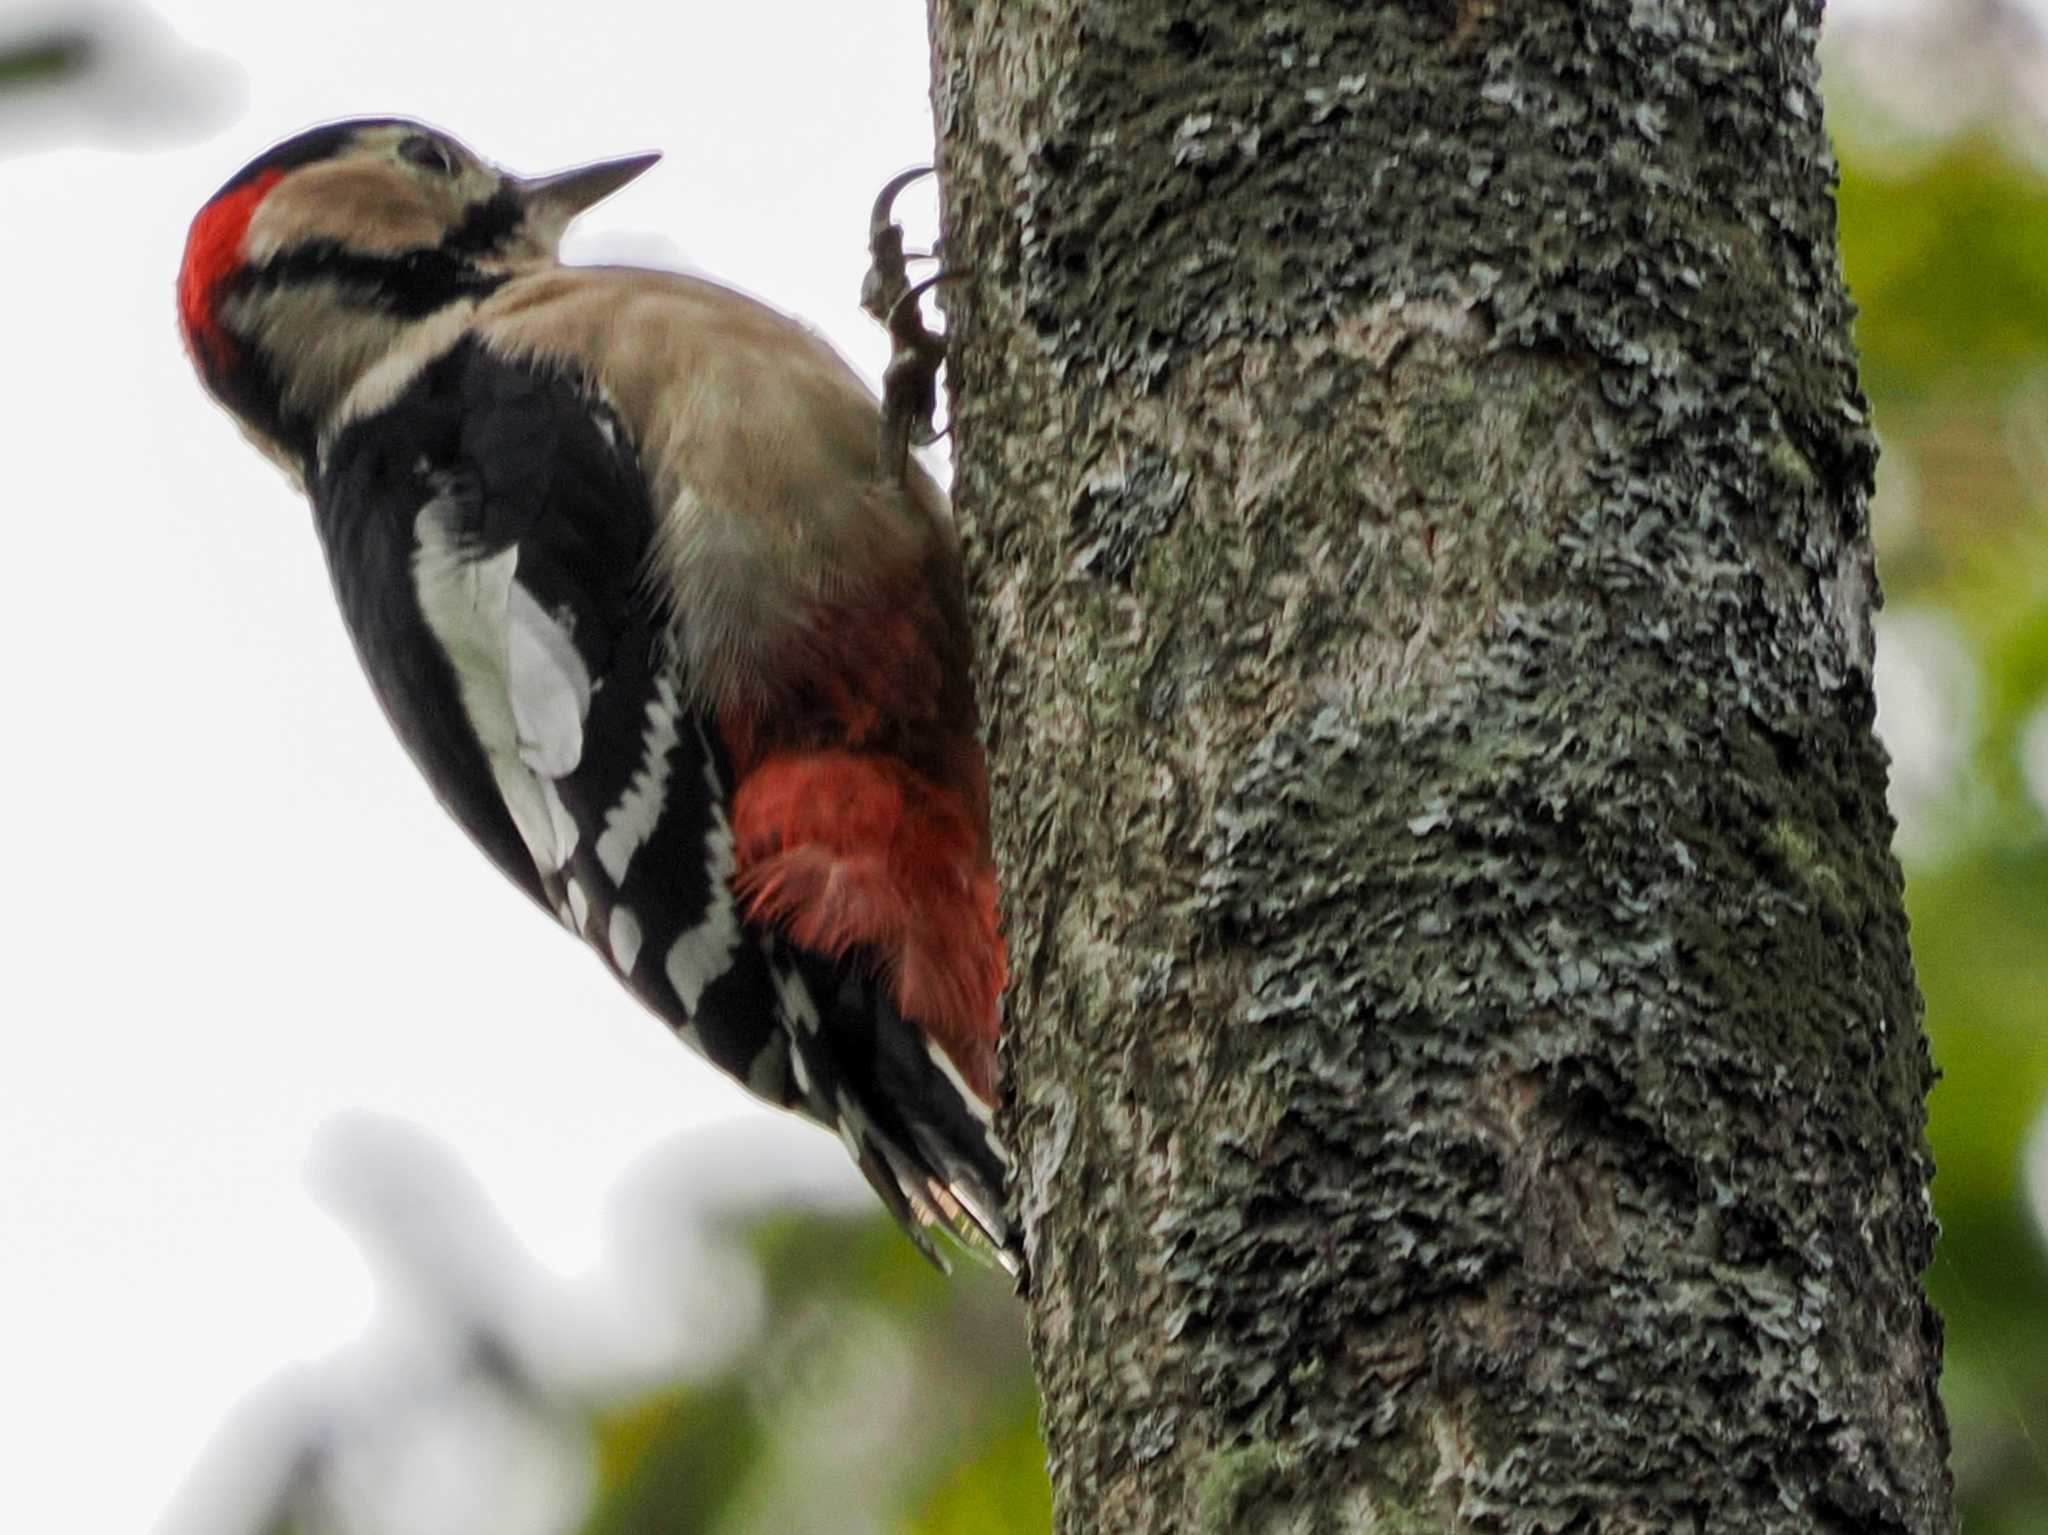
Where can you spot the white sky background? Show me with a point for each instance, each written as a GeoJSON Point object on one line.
{"type": "Point", "coordinates": [234, 910]}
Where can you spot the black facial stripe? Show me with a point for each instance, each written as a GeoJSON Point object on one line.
{"type": "Point", "coordinates": [485, 226]}
{"type": "Point", "coordinates": [411, 285]}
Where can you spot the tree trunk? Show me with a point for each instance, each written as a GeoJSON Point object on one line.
{"type": "Point", "coordinates": [1466, 1061]}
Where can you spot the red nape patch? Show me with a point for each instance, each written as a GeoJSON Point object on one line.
{"type": "Point", "coordinates": [847, 850]}
{"type": "Point", "coordinates": [213, 250]}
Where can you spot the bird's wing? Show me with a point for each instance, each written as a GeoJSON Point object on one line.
{"type": "Point", "coordinates": [505, 627]}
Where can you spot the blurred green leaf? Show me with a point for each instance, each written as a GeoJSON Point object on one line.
{"type": "Point", "coordinates": [1981, 943]}
{"type": "Point", "coordinates": [1949, 263]}
{"type": "Point", "coordinates": [44, 57]}
{"type": "Point", "coordinates": [1003, 1490]}
{"type": "Point", "coordinates": [2001, 599]}
{"type": "Point", "coordinates": [674, 1464]}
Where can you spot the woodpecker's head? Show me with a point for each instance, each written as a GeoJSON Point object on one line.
{"type": "Point", "coordinates": [320, 255]}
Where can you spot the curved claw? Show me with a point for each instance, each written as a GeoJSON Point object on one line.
{"type": "Point", "coordinates": [883, 217]}
{"type": "Point", "coordinates": [886, 278]}
{"type": "Point", "coordinates": [909, 296]}
{"type": "Point", "coordinates": [910, 380]}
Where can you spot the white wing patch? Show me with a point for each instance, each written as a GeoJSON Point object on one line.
{"type": "Point", "coordinates": [523, 684]}
{"type": "Point", "coordinates": [632, 820]}
{"type": "Point", "coordinates": [703, 953]}
{"type": "Point", "coordinates": [625, 938]}
{"type": "Point", "coordinates": [798, 1006]}
{"type": "Point", "coordinates": [548, 683]}
{"type": "Point", "coordinates": [969, 1098]}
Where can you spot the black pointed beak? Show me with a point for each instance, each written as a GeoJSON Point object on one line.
{"type": "Point", "coordinates": [556, 199]}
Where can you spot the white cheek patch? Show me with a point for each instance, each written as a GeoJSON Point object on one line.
{"type": "Point", "coordinates": [317, 342]}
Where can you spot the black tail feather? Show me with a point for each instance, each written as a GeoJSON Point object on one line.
{"type": "Point", "coordinates": [914, 1128]}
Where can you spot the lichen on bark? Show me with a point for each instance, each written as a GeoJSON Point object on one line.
{"type": "Point", "coordinates": [1466, 1064]}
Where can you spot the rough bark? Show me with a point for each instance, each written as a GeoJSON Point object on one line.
{"type": "Point", "coordinates": [1465, 1055]}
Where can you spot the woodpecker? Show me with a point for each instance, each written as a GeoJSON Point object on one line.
{"type": "Point", "coordinates": [622, 565]}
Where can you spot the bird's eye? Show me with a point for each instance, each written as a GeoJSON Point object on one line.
{"type": "Point", "coordinates": [427, 154]}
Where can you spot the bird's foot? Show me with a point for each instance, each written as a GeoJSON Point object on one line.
{"type": "Point", "coordinates": [910, 388]}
